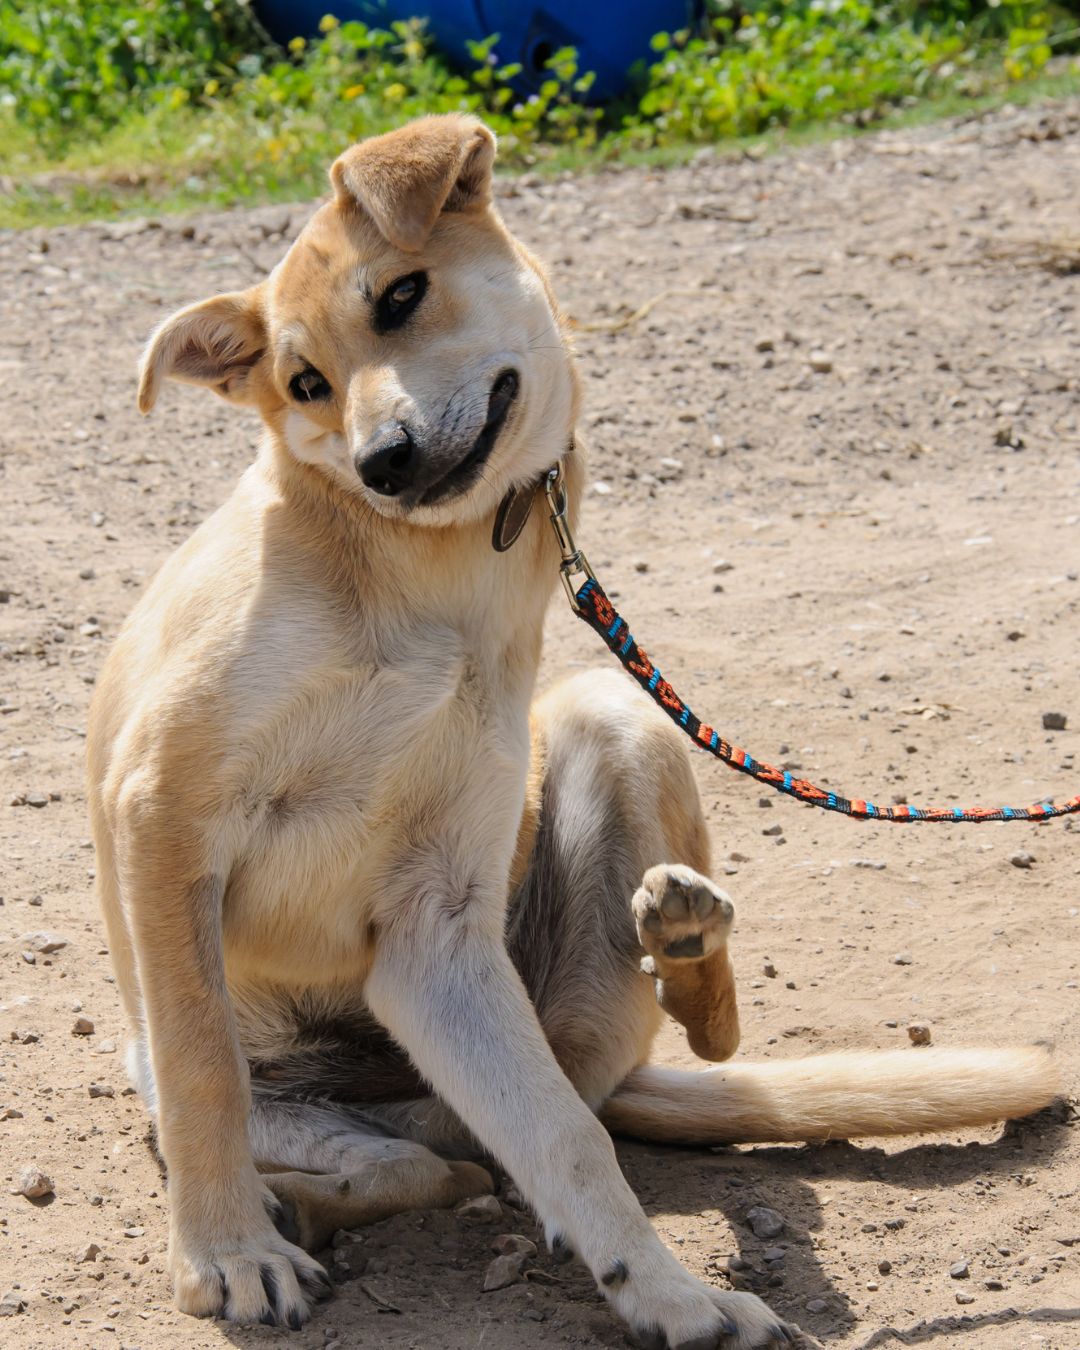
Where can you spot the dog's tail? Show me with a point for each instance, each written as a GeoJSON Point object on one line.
{"type": "Point", "coordinates": [838, 1096]}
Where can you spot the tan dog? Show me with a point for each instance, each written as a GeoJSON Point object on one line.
{"type": "Point", "coordinates": [357, 916]}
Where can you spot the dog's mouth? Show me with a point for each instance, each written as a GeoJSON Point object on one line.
{"type": "Point", "coordinates": [503, 394]}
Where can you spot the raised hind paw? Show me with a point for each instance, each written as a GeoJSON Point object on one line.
{"type": "Point", "coordinates": [680, 915]}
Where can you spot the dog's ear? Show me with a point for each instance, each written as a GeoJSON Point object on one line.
{"type": "Point", "coordinates": [405, 179]}
{"type": "Point", "coordinates": [218, 342]}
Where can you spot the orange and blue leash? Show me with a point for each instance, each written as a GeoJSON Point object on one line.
{"type": "Point", "coordinates": [592, 605]}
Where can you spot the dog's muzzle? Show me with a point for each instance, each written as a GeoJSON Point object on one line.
{"type": "Point", "coordinates": [394, 464]}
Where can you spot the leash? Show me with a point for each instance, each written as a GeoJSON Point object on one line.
{"type": "Point", "coordinates": [589, 603]}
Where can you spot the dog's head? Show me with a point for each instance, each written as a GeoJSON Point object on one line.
{"type": "Point", "coordinates": [406, 345]}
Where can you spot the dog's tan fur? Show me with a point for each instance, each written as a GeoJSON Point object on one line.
{"type": "Point", "coordinates": [318, 816]}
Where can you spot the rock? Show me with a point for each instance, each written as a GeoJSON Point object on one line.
{"type": "Point", "coordinates": [90, 1252]}
{"type": "Point", "coordinates": [512, 1244]}
{"type": "Point", "coordinates": [38, 799]}
{"type": "Point", "coordinates": [12, 1304]}
{"type": "Point", "coordinates": [960, 1271]}
{"type": "Point", "coordinates": [42, 942]}
{"type": "Point", "coordinates": [765, 1222]}
{"type": "Point", "coordinates": [107, 1047]}
{"type": "Point", "coordinates": [1053, 721]}
{"type": "Point", "coordinates": [504, 1270]}
{"type": "Point", "coordinates": [102, 1090]}
{"type": "Point", "coordinates": [481, 1209]}
{"type": "Point", "coordinates": [722, 565]}
{"type": "Point", "coordinates": [33, 1183]}
{"type": "Point", "coordinates": [87, 574]}
{"type": "Point", "coordinates": [641, 565]}
{"type": "Point", "coordinates": [775, 1254]}
{"type": "Point", "coordinates": [902, 959]}
{"type": "Point", "coordinates": [816, 1305]}
{"type": "Point", "coordinates": [769, 970]}
{"type": "Point", "coordinates": [884, 1267]}
{"type": "Point", "coordinates": [765, 344]}
{"type": "Point", "coordinates": [1022, 860]}
{"type": "Point", "coordinates": [965, 1298]}
{"type": "Point", "coordinates": [10, 1113]}
{"type": "Point", "coordinates": [820, 363]}
{"type": "Point", "coordinates": [773, 830]}
{"type": "Point", "coordinates": [670, 469]}
{"type": "Point", "coordinates": [83, 1026]}
{"type": "Point", "coordinates": [918, 1033]}
{"type": "Point", "coordinates": [601, 488]}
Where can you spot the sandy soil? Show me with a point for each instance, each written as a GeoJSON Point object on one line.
{"type": "Point", "coordinates": [838, 493]}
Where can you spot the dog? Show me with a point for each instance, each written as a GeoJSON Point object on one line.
{"type": "Point", "coordinates": [377, 914]}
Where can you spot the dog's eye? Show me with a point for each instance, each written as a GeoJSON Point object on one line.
{"type": "Point", "coordinates": [399, 300]}
{"type": "Point", "coordinates": [309, 386]}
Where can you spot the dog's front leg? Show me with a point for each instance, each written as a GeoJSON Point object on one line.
{"type": "Point", "coordinates": [225, 1256]}
{"type": "Point", "coordinates": [446, 988]}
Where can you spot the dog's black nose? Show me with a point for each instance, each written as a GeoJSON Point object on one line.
{"type": "Point", "coordinates": [388, 463]}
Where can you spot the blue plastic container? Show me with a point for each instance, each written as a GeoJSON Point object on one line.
{"type": "Point", "coordinates": [610, 35]}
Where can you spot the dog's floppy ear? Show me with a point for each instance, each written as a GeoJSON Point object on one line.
{"type": "Point", "coordinates": [404, 179]}
{"type": "Point", "coordinates": [217, 342]}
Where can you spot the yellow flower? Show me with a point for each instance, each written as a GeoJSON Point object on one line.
{"type": "Point", "coordinates": [395, 92]}
{"type": "Point", "coordinates": [297, 44]}
{"type": "Point", "coordinates": [353, 91]}
{"type": "Point", "coordinates": [210, 88]}
{"type": "Point", "coordinates": [327, 23]}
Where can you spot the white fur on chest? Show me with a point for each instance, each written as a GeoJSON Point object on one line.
{"type": "Point", "coordinates": [367, 787]}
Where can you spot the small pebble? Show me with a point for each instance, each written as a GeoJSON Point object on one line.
{"type": "Point", "coordinates": [1053, 721]}
{"type": "Point", "coordinates": [902, 959]}
{"type": "Point", "coordinates": [1022, 860]}
{"type": "Point", "coordinates": [965, 1298]}
{"type": "Point", "coordinates": [820, 363]}
{"type": "Point", "coordinates": [33, 1183]}
{"type": "Point", "coordinates": [90, 1252]}
{"type": "Point", "coordinates": [918, 1033]}
{"type": "Point", "coordinates": [102, 1090]}
{"type": "Point", "coordinates": [510, 1244]}
{"type": "Point", "coordinates": [481, 1209]}
{"type": "Point", "coordinates": [884, 1267]}
{"type": "Point", "coordinates": [504, 1270]}
{"type": "Point", "coordinates": [816, 1305]}
{"type": "Point", "coordinates": [773, 830]}
{"type": "Point", "coordinates": [960, 1270]}
{"type": "Point", "coordinates": [769, 970]}
{"type": "Point", "coordinates": [83, 1026]}
{"type": "Point", "coordinates": [765, 1222]}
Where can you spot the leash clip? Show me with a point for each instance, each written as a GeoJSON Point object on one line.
{"type": "Point", "coordinates": [574, 561]}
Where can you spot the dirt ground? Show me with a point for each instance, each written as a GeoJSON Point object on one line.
{"type": "Point", "coordinates": [837, 491]}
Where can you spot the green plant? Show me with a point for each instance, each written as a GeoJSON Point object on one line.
{"type": "Point", "coordinates": [105, 103]}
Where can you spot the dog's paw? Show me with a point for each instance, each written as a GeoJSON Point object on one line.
{"type": "Point", "coordinates": [261, 1279]}
{"type": "Point", "coordinates": [680, 915]}
{"type": "Point", "coordinates": [744, 1323]}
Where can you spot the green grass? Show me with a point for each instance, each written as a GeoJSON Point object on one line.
{"type": "Point", "coordinates": [204, 113]}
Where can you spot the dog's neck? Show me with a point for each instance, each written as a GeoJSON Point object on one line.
{"type": "Point", "coordinates": [448, 575]}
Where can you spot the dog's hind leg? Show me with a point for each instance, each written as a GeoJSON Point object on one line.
{"type": "Point", "coordinates": [603, 928]}
{"type": "Point", "coordinates": [330, 1168]}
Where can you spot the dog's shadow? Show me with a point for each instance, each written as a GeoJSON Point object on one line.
{"type": "Point", "coordinates": [415, 1278]}
{"type": "Point", "coordinates": [724, 1185]}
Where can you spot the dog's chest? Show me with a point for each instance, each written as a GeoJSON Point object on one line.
{"type": "Point", "coordinates": [365, 783]}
